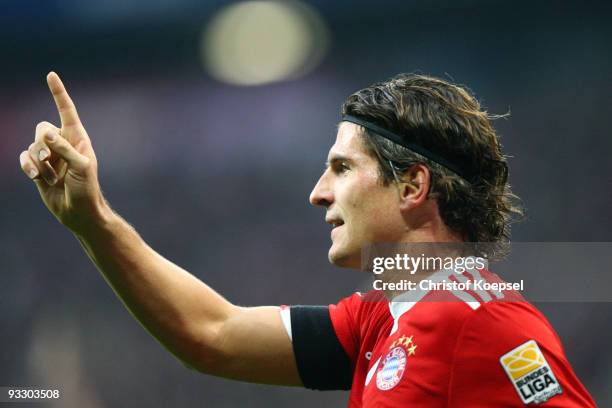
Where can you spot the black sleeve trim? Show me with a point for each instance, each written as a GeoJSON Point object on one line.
{"type": "Point", "coordinates": [322, 362]}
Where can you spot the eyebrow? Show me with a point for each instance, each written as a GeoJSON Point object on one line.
{"type": "Point", "coordinates": [336, 158]}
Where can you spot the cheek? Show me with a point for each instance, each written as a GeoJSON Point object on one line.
{"type": "Point", "coordinates": [379, 216]}
{"type": "Point", "coordinates": [362, 216]}
{"type": "Point", "coordinates": [368, 207]}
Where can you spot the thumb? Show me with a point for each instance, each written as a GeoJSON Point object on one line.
{"type": "Point", "coordinates": [66, 151]}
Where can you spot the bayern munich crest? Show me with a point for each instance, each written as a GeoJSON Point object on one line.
{"type": "Point", "coordinates": [392, 369]}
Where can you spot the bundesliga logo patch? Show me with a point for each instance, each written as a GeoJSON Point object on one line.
{"type": "Point", "coordinates": [392, 370]}
{"type": "Point", "coordinates": [530, 373]}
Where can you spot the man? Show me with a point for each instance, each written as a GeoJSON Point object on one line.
{"type": "Point", "coordinates": [415, 160]}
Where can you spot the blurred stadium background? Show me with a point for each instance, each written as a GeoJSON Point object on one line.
{"type": "Point", "coordinates": [212, 120]}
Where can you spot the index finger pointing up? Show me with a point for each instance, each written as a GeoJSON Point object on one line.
{"type": "Point", "coordinates": [65, 106]}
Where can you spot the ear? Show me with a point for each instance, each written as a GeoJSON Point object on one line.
{"type": "Point", "coordinates": [414, 187]}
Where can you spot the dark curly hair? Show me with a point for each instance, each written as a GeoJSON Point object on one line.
{"type": "Point", "coordinates": [447, 119]}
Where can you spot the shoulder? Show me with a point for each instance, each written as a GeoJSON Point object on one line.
{"type": "Point", "coordinates": [506, 322]}
{"type": "Point", "coordinates": [360, 307]}
{"type": "Point", "coordinates": [508, 353]}
{"type": "Point", "coordinates": [503, 313]}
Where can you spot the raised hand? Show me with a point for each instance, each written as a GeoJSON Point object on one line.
{"type": "Point", "coordinates": [62, 163]}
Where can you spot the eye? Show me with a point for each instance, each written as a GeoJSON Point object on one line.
{"type": "Point", "coordinates": [341, 167]}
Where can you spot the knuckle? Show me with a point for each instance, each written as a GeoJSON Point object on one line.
{"type": "Point", "coordinates": [44, 128]}
{"type": "Point", "coordinates": [23, 159]}
{"type": "Point", "coordinates": [32, 149]}
{"type": "Point", "coordinates": [41, 126]}
{"type": "Point", "coordinates": [36, 146]}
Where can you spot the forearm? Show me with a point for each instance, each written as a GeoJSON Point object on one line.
{"type": "Point", "coordinates": [194, 322]}
{"type": "Point", "coordinates": [176, 307]}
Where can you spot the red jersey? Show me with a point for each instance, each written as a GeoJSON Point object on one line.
{"type": "Point", "coordinates": [452, 348]}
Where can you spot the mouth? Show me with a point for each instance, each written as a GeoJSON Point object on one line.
{"type": "Point", "coordinates": [335, 223]}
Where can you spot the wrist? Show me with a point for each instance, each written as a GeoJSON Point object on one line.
{"type": "Point", "coordinates": [99, 220]}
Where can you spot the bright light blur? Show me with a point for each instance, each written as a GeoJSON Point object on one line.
{"type": "Point", "coordinates": [259, 42]}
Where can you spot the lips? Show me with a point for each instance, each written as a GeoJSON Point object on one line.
{"type": "Point", "coordinates": [334, 222]}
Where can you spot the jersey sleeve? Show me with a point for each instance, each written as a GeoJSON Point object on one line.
{"type": "Point", "coordinates": [323, 344]}
{"type": "Point", "coordinates": [508, 355]}
{"type": "Point", "coordinates": [345, 320]}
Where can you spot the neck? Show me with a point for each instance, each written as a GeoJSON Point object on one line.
{"type": "Point", "coordinates": [430, 229]}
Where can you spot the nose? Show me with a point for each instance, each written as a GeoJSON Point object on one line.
{"type": "Point", "coordinates": [322, 194]}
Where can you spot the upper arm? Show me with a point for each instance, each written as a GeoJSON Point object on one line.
{"type": "Point", "coordinates": [251, 345]}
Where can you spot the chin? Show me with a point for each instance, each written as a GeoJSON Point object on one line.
{"type": "Point", "coordinates": [344, 259]}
